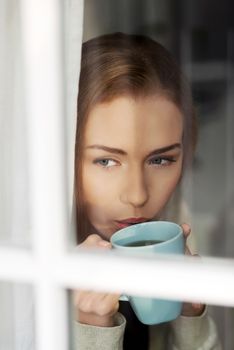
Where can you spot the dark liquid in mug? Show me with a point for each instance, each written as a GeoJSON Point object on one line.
{"type": "Point", "coordinates": [142, 243]}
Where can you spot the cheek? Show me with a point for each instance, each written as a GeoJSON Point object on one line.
{"type": "Point", "coordinates": [97, 191]}
{"type": "Point", "coordinates": [94, 198]}
{"type": "Point", "coordinates": [164, 186]}
{"type": "Point", "coordinates": [99, 202]}
{"type": "Point", "coordinates": [91, 189]}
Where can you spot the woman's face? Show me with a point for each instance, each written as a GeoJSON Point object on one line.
{"type": "Point", "coordinates": [132, 161]}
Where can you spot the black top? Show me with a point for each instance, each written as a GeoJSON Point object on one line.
{"type": "Point", "coordinates": [136, 334]}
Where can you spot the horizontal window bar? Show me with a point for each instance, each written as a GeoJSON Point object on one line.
{"type": "Point", "coordinates": [207, 280]}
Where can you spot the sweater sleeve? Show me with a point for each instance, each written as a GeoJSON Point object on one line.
{"type": "Point", "coordinates": [88, 337]}
{"type": "Point", "coordinates": [195, 333]}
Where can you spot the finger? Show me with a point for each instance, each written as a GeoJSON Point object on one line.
{"type": "Point", "coordinates": [88, 301]}
{"type": "Point", "coordinates": [80, 295]}
{"type": "Point", "coordinates": [199, 307]}
{"type": "Point", "coordinates": [101, 304]}
{"type": "Point", "coordinates": [109, 305]}
{"type": "Point", "coordinates": [94, 240]}
{"type": "Point", "coordinates": [186, 230]}
{"type": "Point", "coordinates": [193, 309]}
{"type": "Point", "coordinates": [104, 244]}
{"type": "Point", "coordinates": [90, 241]}
{"type": "Point", "coordinates": [113, 297]}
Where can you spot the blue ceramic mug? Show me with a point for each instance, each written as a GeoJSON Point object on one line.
{"type": "Point", "coordinates": [149, 238]}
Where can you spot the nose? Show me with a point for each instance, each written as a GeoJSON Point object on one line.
{"type": "Point", "coordinates": [135, 190]}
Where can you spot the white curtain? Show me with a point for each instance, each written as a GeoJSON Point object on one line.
{"type": "Point", "coordinates": [14, 182]}
{"type": "Point", "coordinates": [16, 301]}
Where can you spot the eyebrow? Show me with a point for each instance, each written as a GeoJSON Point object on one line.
{"type": "Point", "coordinates": [122, 152]}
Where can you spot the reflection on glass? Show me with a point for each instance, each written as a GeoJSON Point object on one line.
{"type": "Point", "coordinates": [205, 53]}
{"type": "Point", "coordinates": [136, 135]}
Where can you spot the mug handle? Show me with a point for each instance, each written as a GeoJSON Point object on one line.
{"type": "Point", "coordinates": [123, 297]}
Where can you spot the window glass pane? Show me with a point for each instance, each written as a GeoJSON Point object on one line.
{"type": "Point", "coordinates": [224, 318]}
{"type": "Point", "coordinates": [203, 47]}
{"type": "Point", "coordinates": [16, 317]}
{"type": "Point", "coordinates": [14, 177]}
{"type": "Point", "coordinates": [200, 37]}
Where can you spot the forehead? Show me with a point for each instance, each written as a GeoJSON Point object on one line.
{"type": "Point", "coordinates": [147, 121]}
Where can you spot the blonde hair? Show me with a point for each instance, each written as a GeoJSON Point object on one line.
{"type": "Point", "coordinates": [120, 64]}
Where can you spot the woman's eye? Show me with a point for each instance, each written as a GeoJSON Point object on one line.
{"type": "Point", "coordinates": [161, 161]}
{"type": "Point", "coordinates": [105, 163]}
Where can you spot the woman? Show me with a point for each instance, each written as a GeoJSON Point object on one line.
{"type": "Point", "coordinates": [136, 134]}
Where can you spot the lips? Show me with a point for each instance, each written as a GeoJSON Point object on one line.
{"type": "Point", "coordinates": [130, 221]}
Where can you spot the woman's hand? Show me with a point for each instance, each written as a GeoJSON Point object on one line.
{"type": "Point", "coordinates": [190, 309]}
{"type": "Point", "coordinates": [94, 308]}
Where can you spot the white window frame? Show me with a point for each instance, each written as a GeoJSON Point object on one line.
{"type": "Point", "coordinates": [50, 267]}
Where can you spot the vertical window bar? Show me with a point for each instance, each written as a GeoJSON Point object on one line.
{"type": "Point", "coordinates": [42, 40]}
